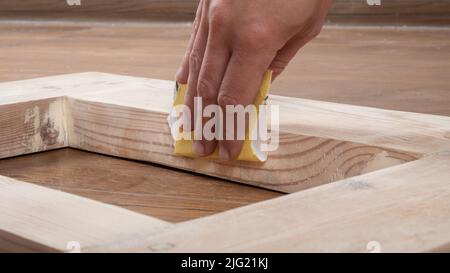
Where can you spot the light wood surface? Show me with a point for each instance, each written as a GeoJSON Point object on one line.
{"type": "Point", "coordinates": [168, 194]}
{"type": "Point", "coordinates": [399, 208]}
{"type": "Point", "coordinates": [302, 161]}
{"type": "Point", "coordinates": [126, 116]}
{"type": "Point", "coordinates": [35, 218]}
{"type": "Point", "coordinates": [401, 69]}
{"type": "Point", "coordinates": [39, 126]}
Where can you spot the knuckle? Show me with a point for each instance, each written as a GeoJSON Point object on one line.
{"type": "Point", "coordinates": [217, 15]}
{"type": "Point", "coordinates": [196, 24]}
{"type": "Point", "coordinates": [194, 59]}
{"type": "Point", "coordinates": [254, 39]}
{"type": "Point", "coordinates": [225, 99]}
{"type": "Point", "coordinates": [205, 89]}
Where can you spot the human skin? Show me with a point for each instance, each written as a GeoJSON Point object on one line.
{"type": "Point", "coordinates": [233, 43]}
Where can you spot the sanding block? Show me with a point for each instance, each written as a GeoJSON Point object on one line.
{"type": "Point", "coordinates": [251, 150]}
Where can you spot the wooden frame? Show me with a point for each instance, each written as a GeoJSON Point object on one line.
{"type": "Point", "coordinates": [392, 173]}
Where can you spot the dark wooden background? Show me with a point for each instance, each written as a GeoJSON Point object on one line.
{"type": "Point", "coordinates": [343, 11]}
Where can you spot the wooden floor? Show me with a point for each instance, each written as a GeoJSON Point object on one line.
{"type": "Point", "coordinates": [168, 194]}
{"type": "Point", "coordinates": [415, 12]}
{"type": "Point", "coordinates": [395, 68]}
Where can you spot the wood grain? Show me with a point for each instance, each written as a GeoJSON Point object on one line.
{"type": "Point", "coordinates": [32, 127]}
{"type": "Point", "coordinates": [352, 11]}
{"type": "Point", "coordinates": [397, 8]}
{"type": "Point", "coordinates": [300, 162]}
{"type": "Point", "coordinates": [401, 69]}
{"type": "Point", "coordinates": [167, 194]}
{"type": "Point", "coordinates": [100, 9]}
{"type": "Point", "coordinates": [409, 12]}
{"type": "Point", "coordinates": [126, 117]}
{"type": "Point", "coordinates": [36, 219]}
{"type": "Point", "coordinates": [400, 209]}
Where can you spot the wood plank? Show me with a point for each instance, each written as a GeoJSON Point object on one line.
{"type": "Point", "coordinates": [103, 95]}
{"type": "Point", "coordinates": [405, 11]}
{"type": "Point", "coordinates": [165, 193]}
{"type": "Point", "coordinates": [302, 161]}
{"type": "Point", "coordinates": [419, 133]}
{"type": "Point", "coordinates": [329, 142]}
{"type": "Point", "coordinates": [412, 132]}
{"type": "Point", "coordinates": [400, 209]}
{"type": "Point", "coordinates": [35, 218]}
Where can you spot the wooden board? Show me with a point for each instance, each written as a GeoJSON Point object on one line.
{"type": "Point", "coordinates": [320, 148]}
{"type": "Point", "coordinates": [353, 11]}
{"type": "Point", "coordinates": [35, 218]}
{"type": "Point", "coordinates": [400, 207]}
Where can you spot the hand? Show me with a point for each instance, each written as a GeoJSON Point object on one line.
{"type": "Point", "coordinates": [234, 42]}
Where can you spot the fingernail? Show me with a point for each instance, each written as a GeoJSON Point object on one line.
{"type": "Point", "coordinates": [179, 73]}
{"type": "Point", "coordinates": [224, 154]}
{"type": "Point", "coordinates": [199, 149]}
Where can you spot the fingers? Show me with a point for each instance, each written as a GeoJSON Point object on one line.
{"type": "Point", "coordinates": [195, 62]}
{"type": "Point", "coordinates": [240, 86]}
{"type": "Point", "coordinates": [182, 73]}
{"type": "Point", "coordinates": [212, 72]}
{"type": "Point", "coordinates": [227, 57]}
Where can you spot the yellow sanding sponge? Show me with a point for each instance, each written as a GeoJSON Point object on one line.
{"type": "Point", "coordinates": [251, 149]}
